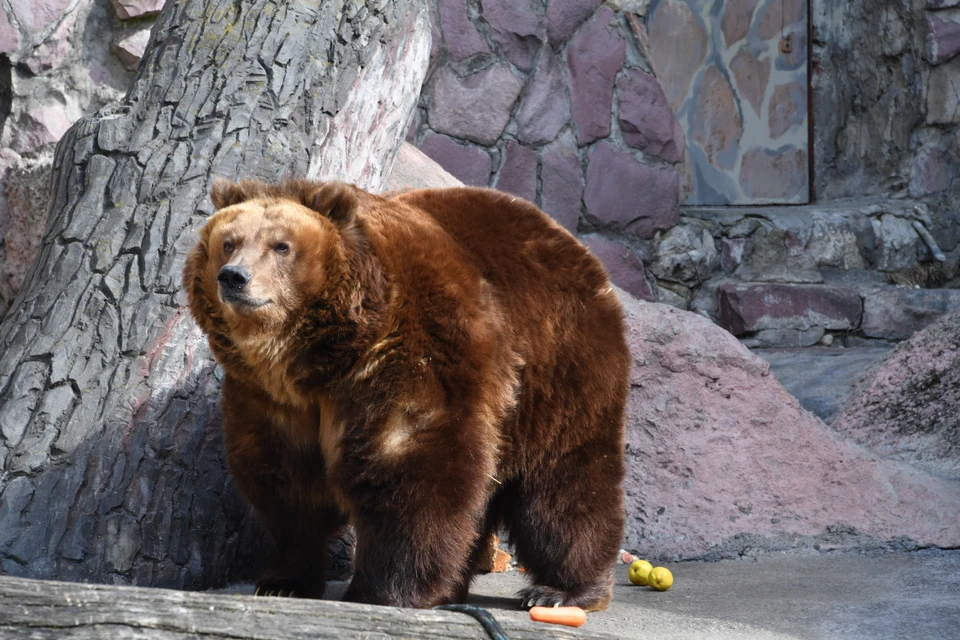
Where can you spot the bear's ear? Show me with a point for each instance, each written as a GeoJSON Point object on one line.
{"type": "Point", "coordinates": [226, 193]}
{"type": "Point", "coordinates": [336, 200]}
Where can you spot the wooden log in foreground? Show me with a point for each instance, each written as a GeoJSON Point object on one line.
{"type": "Point", "coordinates": [41, 609]}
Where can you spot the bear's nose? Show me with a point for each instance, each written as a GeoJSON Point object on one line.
{"type": "Point", "coordinates": [233, 277]}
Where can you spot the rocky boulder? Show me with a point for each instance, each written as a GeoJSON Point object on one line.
{"type": "Point", "coordinates": [907, 407]}
{"type": "Point", "coordinates": [723, 461]}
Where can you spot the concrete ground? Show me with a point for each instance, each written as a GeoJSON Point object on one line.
{"type": "Point", "coordinates": [788, 596]}
{"type": "Point", "coordinates": [802, 596]}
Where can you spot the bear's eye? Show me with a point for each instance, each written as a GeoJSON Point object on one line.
{"type": "Point", "coordinates": [281, 248]}
{"type": "Point", "coordinates": [228, 247]}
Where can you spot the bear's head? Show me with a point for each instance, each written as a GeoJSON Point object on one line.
{"type": "Point", "coordinates": [268, 251]}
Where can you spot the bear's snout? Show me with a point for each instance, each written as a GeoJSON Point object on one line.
{"type": "Point", "coordinates": [233, 277]}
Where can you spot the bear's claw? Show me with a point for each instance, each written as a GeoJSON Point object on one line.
{"type": "Point", "coordinates": [277, 593]}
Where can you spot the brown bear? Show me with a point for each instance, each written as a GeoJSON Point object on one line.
{"type": "Point", "coordinates": [430, 366]}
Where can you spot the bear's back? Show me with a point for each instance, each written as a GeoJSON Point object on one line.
{"type": "Point", "coordinates": [565, 319]}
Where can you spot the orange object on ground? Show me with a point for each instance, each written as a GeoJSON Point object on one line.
{"type": "Point", "coordinates": [570, 616]}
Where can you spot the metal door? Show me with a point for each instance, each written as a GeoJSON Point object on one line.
{"type": "Point", "coordinates": [736, 74]}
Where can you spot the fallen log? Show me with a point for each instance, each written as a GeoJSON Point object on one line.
{"type": "Point", "coordinates": [42, 609]}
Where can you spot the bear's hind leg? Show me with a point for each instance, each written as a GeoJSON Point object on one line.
{"type": "Point", "coordinates": [566, 524]}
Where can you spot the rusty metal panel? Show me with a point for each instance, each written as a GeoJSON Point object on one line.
{"type": "Point", "coordinates": [735, 73]}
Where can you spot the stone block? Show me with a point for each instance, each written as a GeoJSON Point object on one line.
{"type": "Point", "coordinates": [518, 26]}
{"type": "Point", "coordinates": [476, 107]}
{"type": "Point", "coordinates": [467, 163]}
{"type": "Point", "coordinates": [736, 21]}
{"type": "Point", "coordinates": [943, 98]}
{"type": "Point", "coordinates": [129, 9]}
{"type": "Point", "coordinates": [896, 243]}
{"type": "Point", "coordinates": [594, 57]}
{"type": "Point", "coordinates": [34, 16]}
{"type": "Point", "coordinates": [40, 127]}
{"type": "Point", "coordinates": [564, 16]}
{"type": "Point", "coordinates": [896, 313]}
{"type": "Point", "coordinates": [544, 107]}
{"type": "Point", "coordinates": [943, 35]}
{"type": "Point", "coordinates": [748, 308]}
{"type": "Point", "coordinates": [626, 195]}
{"type": "Point", "coordinates": [686, 254]}
{"type": "Point", "coordinates": [646, 120]}
{"type": "Point", "coordinates": [623, 266]}
{"type": "Point", "coordinates": [785, 338]}
{"type": "Point", "coordinates": [731, 254]}
{"type": "Point", "coordinates": [561, 180]}
{"type": "Point", "coordinates": [460, 35]}
{"type": "Point", "coordinates": [518, 174]}
{"type": "Point", "coordinates": [130, 47]}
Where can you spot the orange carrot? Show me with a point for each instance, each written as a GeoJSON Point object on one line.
{"type": "Point", "coordinates": [570, 616]}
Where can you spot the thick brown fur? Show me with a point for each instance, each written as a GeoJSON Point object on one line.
{"type": "Point", "coordinates": [430, 366]}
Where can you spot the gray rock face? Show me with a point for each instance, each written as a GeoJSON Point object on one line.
{"type": "Point", "coordinates": [108, 393]}
{"type": "Point", "coordinates": [905, 408]}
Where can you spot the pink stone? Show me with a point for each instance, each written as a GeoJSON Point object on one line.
{"type": "Point", "coordinates": [905, 407]}
{"type": "Point", "coordinates": [626, 195]}
{"type": "Point", "coordinates": [623, 266]}
{"type": "Point", "coordinates": [731, 253]}
{"type": "Point", "coordinates": [564, 16]}
{"type": "Point", "coordinates": [131, 45]}
{"type": "Point", "coordinates": [519, 28]}
{"type": "Point", "coordinates": [127, 9]}
{"type": "Point", "coordinates": [788, 108]}
{"type": "Point", "coordinates": [459, 33]}
{"type": "Point", "coordinates": [41, 127]}
{"type": "Point", "coordinates": [35, 16]}
{"type": "Point", "coordinates": [751, 76]}
{"type": "Point", "coordinates": [646, 120]}
{"type": "Point", "coordinates": [678, 42]}
{"type": "Point", "coordinates": [737, 18]}
{"type": "Point", "coordinates": [455, 103]}
{"type": "Point", "coordinates": [413, 169]}
{"type": "Point", "coordinates": [518, 174]}
{"type": "Point", "coordinates": [774, 175]}
{"type": "Point", "coordinates": [544, 108]}
{"type": "Point", "coordinates": [779, 16]}
{"type": "Point", "coordinates": [716, 122]}
{"type": "Point", "coordinates": [561, 191]}
{"type": "Point", "coordinates": [9, 37]}
{"type": "Point", "coordinates": [594, 57]}
{"type": "Point", "coordinates": [735, 454]}
{"type": "Point", "coordinates": [943, 36]}
{"type": "Point", "coordinates": [747, 308]}
{"type": "Point", "coordinates": [467, 163]}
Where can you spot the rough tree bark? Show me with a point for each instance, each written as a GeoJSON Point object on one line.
{"type": "Point", "coordinates": [109, 432]}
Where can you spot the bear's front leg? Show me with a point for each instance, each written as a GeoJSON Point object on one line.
{"type": "Point", "coordinates": [417, 519]}
{"type": "Point", "coordinates": [287, 486]}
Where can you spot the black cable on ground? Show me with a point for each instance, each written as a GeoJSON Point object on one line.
{"type": "Point", "coordinates": [484, 617]}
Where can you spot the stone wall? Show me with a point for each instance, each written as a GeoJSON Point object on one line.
{"type": "Point", "coordinates": [557, 103]}
{"type": "Point", "coordinates": [59, 60]}
{"type": "Point", "coordinates": [886, 107]}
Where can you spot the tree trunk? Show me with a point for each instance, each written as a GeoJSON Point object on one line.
{"type": "Point", "coordinates": [110, 445]}
{"type": "Point", "coordinates": [42, 610]}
